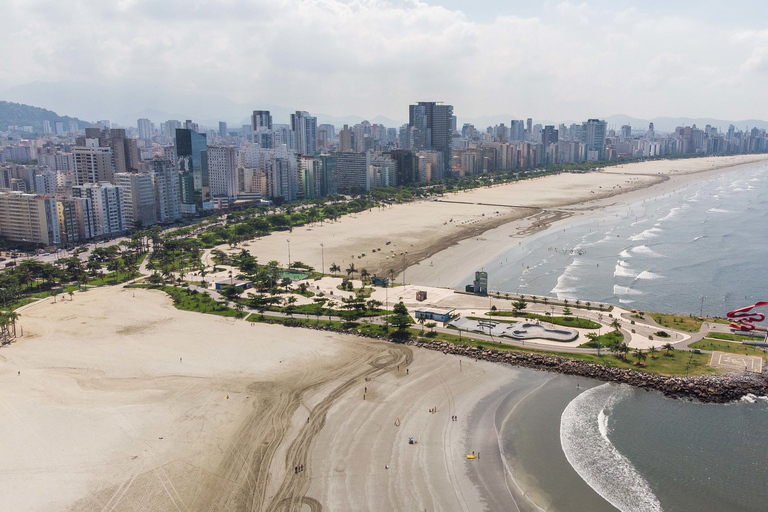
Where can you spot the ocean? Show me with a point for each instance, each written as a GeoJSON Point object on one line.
{"type": "Point", "coordinates": [697, 250]}
{"type": "Point", "coordinates": [585, 445]}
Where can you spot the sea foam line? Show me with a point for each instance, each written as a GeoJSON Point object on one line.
{"type": "Point", "coordinates": [584, 436]}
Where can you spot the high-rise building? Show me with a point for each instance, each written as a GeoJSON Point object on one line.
{"type": "Point", "coordinates": [165, 179]}
{"type": "Point", "coordinates": [75, 215]}
{"type": "Point", "coordinates": [305, 128]}
{"type": "Point", "coordinates": [406, 166]}
{"type": "Point", "coordinates": [222, 129]}
{"type": "Point", "coordinates": [549, 136]}
{"type": "Point", "coordinates": [345, 139]}
{"type": "Point", "coordinates": [46, 183]}
{"type": "Point", "coordinates": [93, 163]}
{"type": "Point", "coordinates": [381, 171]}
{"type": "Point", "coordinates": [222, 171]}
{"type": "Point", "coordinates": [595, 132]}
{"type": "Point", "coordinates": [431, 125]}
{"type": "Point", "coordinates": [328, 169]}
{"type": "Point", "coordinates": [626, 131]}
{"type": "Point", "coordinates": [352, 172]}
{"type": "Point", "coordinates": [261, 127]}
{"type": "Point", "coordinates": [29, 218]}
{"type": "Point", "coordinates": [108, 207]}
{"type": "Point", "coordinates": [192, 164]}
{"type": "Point", "coordinates": [138, 199]}
{"type": "Point", "coordinates": [145, 129]}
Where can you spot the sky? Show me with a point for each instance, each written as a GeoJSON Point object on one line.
{"type": "Point", "coordinates": [553, 60]}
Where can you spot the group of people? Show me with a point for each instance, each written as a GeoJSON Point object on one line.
{"type": "Point", "coordinates": [298, 469]}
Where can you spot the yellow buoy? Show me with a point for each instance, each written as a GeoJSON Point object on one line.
{"type": "Point", "coordinates": [470, 456]}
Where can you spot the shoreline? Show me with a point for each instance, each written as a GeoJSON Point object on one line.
{"type": "Point", "coordinates": [520, 230]}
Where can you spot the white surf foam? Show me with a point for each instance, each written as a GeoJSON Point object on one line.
{"type": "Point", "coordinates": [645, 235]}
{"type": "Point", "coordinates": [625, 290]}
{"type": "Point", "coordinates": [647, 275]}
{"type": "Point", "coordinates": [623, 270]}
{"type": "Point", "coordinates": [626, 301]}
{"type": "Point", "coordinates": [625, 254]}
{"type": "Point", "coordinates": [585, 438]}
{"type": "Point", "coordinates": [645, 251]}
{"type": "Point", "coordinates": [717, 210]}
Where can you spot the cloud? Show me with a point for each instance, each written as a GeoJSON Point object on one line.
{"type": "Point", "coordinates": [368, 57]}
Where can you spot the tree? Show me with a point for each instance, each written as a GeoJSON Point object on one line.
{"type": "Point", "coordinates": [400, 319]}
{"type": "Point", "coordinates": [616, 324]}
{"type": "Point", "coordinates": [422, 319]}
{"type": "Point", "coordinates": [567, 311]}
{"type": "Point", "coordinates": [335, 269]}
{"type": "Point", "coordinates": [640, 355]}
{"type": "Point", "coordinates": [431, 326]}
{"type": "Point", "coordinates": [71, 295]}
{"type": "Point", "coordinates": [601, 307]}
{"type": "Point", "coordinates": [331, 304]}
{"type": "Point", "coordinates": [364, 274]}
{"type": "Point", "coordinates": [594, 338]}
{"type": "Point", "coordinates": [588, 304]}
{"type": "Point", "coordinates": [623, 349]}
{"type": "Point", "coordinates": [653, 351]}
{"type": "Point", "coordinates": [351, 269]}
{"type": "Point", "coordinates": [668, 348]}
{"type": "Point", "coordinates": [519, 305]}
{"type": "Point", "coordinates": [546, 300]}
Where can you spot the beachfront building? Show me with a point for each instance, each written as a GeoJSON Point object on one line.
{"type": "Point", "coordinates": [107, 201]}
{"type": "Point", "coordinates": [29, 218]}
{"type": "Point", "coordinates": [436, 314]}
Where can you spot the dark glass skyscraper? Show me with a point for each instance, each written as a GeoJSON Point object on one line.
{"type": "Point", "coordinates": [192, 162]}
{"type": "Point", "coordinates": [432, 130]}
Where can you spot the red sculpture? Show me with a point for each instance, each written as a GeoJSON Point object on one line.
{"type": "Point", "coordinates": [743, 318]}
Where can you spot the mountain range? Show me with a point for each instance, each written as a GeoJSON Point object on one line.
{"type": "Point", "coordinates": [125, 103]}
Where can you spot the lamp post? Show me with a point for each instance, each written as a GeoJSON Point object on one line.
{"type": "Point", "coordinates": [599, 321]}
{"type": "Point", "coordinates": [322, 256]}
{"type": "Point", "coordinates": [289, 253]}
{"type": "Point", "coordinates": [701, 311]}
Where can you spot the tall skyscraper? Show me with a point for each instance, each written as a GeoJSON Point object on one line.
{"type": "Point", "coordinates": [145, 129]}
{"type": "Point", "coordinates": [261, 127]}
{"type": "Point", "coordinates": [431, 125]}
{"type": "Point", "coordinates": [549, 136]}
{"type": "Point", "coordinates": [93, 163]}
{"type": "Point", "coordinates": [192, 164]}
{"type": "Point", "coordinates": [595, 132]}
{"type": "Point", "coordinates": [222, 129]}
{"type": "Point", "coordinates": [165, 179]}
{"type": "Point", "coordinates": [222, 171]}
{"type": "Point", "coordinates": [345, 139]}
{"type": "Point", "coordinates": [305, 128]}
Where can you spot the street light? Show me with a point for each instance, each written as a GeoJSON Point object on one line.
{"type": "Point", "coordinates": [289, 253]}
{"type": "Point", "coordinates": [322, 256]}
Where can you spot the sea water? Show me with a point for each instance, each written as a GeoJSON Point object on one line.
{"type": "Point", "coordinates": [699, 249]}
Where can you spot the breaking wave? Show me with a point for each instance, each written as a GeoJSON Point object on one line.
{"type": "Point", "coordinates": [584, 436]}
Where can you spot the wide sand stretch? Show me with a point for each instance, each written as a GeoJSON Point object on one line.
{"type": "Point", "coordinates": [125, 403]}
{"type": "Point", "coordinates": [418, 231]}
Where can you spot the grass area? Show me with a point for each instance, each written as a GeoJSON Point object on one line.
{"type": "Point", "coordinates": [727, 346]}
{"type": "Point", "coordinates": [192, 300]}
{"type": "Point", "coordinates": [679, 322]}
{"type": "Point", "coordinates": [351, 326]}
{"type": "Point", "coordinates": [566, 321]}
{"type": "Point", "coordinates": [605, 340]}
{"type": "Point", "coordinates": [675, 365]}
{"type": "Point", "coordinates": [731, 337]}
{"type": "Point", "coordinates": [16, 304]}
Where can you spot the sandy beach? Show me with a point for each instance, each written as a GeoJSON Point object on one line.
{"type": "Point", "coordinates": [116, 400]}
{"type": "Point", "coordinates": [420, 232]}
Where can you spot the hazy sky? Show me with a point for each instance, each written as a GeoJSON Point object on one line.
{"type": "Point", "coordinates": [553, 60]}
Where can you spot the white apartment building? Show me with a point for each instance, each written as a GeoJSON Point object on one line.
{"type": "Point", "coordinates": [29, 218]}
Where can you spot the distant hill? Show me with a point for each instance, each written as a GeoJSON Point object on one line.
{"type": "Point", "coordinates": [17, 114]}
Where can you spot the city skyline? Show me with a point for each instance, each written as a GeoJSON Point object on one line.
{"type": "Point", "coordinates": [557, 61]}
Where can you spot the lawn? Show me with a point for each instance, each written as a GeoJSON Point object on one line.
{"type": "Point", "coordinates": [675, 365]}
{"type": "Point", "coordinates": [192, 300]}
{"type": "Point", "coordinates": [679, 322]}
{"type": "Point", "coordinates": [566, 321]}
{"type": "Point", "coordinates": [731, 336]}
{"type": "Point", "coordinates": [727, 346]}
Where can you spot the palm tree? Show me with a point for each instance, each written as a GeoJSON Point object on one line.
{"type": "Point", "coordinates": [364, 274]}
{"type": "Point", "coordinates": [335, 269]}
{"type": "Point", "coordinates": [669, 348]}
{"type": "Point", "coordinates": [578, 302]}
{"type": "Point", "coordinates": [421, 320]}
{"type": "Point", "coordinates": [653, 351]}
{"type": "Point", "coordinates": [640, 355]}
{"type": "Point", "coordinates": [588, 304]}
{"type": "Point", "coordinates": [623, 349]}
{"type": "Point", "coordinates": [12, 317]}
{"type": "Point", "coordinates": [351, 269]}
{"type": "Point", "coordinates": [616, 325]}
{"type": "Point", "coordinates": [331, 304]}
{"type": "Point", "coordinates": [546, 300]}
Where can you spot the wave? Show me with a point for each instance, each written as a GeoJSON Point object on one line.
{"type": "Point", "coordinates": [622, 270]}
{"type": "Point", "coordinates": [718, 210]}
{"type": "Point", "coordinates": [625, 290]}
{"type": "Point", "coordinates": [625, 254]}
{"type": "Point", "coordinates": [585, 439]}
{"type": "Point", "coordinates": [645, 235]}
{"type": "Point", "coordinates": [647, 275]}
{"type": "Point", "coordinates": [645, 251]}
{"type": "Point", "coordinates": [626, 301]}
{"type": "Point", "coordinates": [699, 237]}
